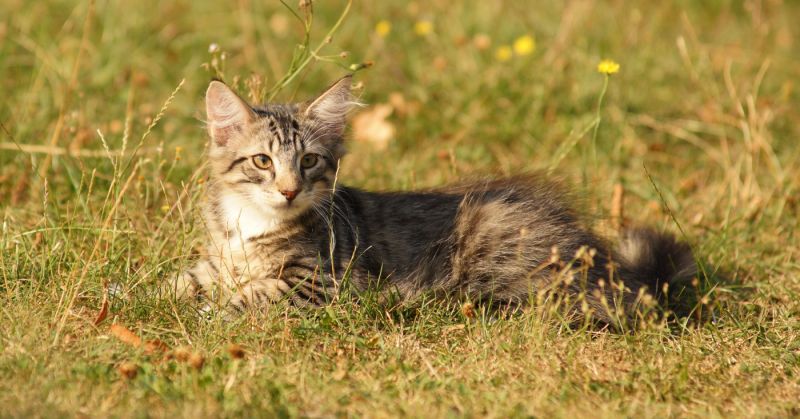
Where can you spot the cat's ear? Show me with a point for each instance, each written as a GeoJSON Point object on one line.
{"type": "Point", "coordinates": [332, 106]}
{"type": "Point", "coordinates": [227, 114]}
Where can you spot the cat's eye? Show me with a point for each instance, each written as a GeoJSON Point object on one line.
{"type": "Point", "coordinates": [262, 161]}
{"type": "Point", "coordinates": [308, 161]}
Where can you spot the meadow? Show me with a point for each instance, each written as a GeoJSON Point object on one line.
{"type": "Point", "coordinates": [102, 172]}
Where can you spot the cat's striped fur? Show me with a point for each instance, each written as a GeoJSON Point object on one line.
{"type": "Point", "coordinates": [283, 229]}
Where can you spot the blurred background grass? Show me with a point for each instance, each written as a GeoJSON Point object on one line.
{"type": "Point", "coordinates": [705, 100]}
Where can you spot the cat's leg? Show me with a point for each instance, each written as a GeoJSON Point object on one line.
{"type": "Point", "coordinates": [300, 291]}
{"type": "Point", "coordinates": [257, 293]}
{"type": "Point", "coordinates": [196, 282]}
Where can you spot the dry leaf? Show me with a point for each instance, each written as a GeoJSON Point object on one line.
{"type": "Point", "coordinates": [371, 126]}
{"type": "Point", "coordinates": [103, 306]}
{"type": "Point", "coordinates": [125, 336]}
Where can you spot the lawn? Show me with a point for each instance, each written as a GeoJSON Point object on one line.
{"type": "Point", "coordinates": [102, 173]}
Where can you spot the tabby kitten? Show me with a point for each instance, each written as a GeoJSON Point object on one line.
{"type": "Point", "coordinates": [280, 227]}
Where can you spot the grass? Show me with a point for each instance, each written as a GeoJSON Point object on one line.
{"type": "Point", "coordinates": [101, 170]}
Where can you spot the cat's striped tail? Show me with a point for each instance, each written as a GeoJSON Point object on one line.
{"type": "Point", "coordinates": [660, 262]}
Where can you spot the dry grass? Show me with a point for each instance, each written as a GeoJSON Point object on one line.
{"type": "Point", "coordinates": [101, 172]}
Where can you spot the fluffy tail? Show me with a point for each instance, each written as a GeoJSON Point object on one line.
{"type": "Point", "coordinates": [658, 259]}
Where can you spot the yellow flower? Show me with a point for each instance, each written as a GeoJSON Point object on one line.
{"type": "Point", "coordinates": [383, 28]}
{"type": "Point", "coordinates": [164, 208]}
{"type": "Point", "coordinates": [423, 27]}
{"type": "Point", "coordinates": [524, 45]}
{"type": "Point", "coordinates": [503, 53]}
{"type": "Point", "coordinates": [608, 67]}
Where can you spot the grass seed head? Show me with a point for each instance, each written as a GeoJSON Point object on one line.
{"type": "Point", "coordinates": [197, 360]}
{"type": "Point", "coordinates": [182, 353]}
{"type": "Point", "coordinates": [468, 310]}
{"type": "Point", "coordinates": [128, 370]}
{"type": "Point", "coordinates": [236, 351]}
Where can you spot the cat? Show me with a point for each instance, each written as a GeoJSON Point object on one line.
{"type": "Point", "coordinates": [280, 226]}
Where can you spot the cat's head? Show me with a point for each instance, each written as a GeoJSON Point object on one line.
{"type": "Point", "coordinates": [279, 158]}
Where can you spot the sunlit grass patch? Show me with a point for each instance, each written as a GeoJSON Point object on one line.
{"type": "Point", "coordinates": [101, 172]}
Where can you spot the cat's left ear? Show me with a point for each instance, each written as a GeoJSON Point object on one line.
{"type": "Point", "coordinates": [332, 106]}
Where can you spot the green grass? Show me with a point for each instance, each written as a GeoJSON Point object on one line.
{"type": "Point", "coordinates": [704, 109]}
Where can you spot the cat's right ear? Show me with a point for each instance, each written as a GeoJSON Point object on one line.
{"type": "Point", "coordinates": [228, 115]}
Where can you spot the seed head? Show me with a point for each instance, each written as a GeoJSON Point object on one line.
{"type": "Point", "coordinates": [128, 370]}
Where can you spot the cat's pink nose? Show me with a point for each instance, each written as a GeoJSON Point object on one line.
{"type": "Point", "coordinates": [290, 195]}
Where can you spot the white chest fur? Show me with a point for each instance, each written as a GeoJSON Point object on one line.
{"type": "Point", "coordinates": [235, 222]}
{"type": "Point", "coordinates": [240, 259]}
{"type": "Point", "coordinates": [247, 220]}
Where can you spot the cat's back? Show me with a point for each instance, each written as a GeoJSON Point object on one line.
{"type": "Point", "coordinates": [436, 209]}
{"type": "Point", "coordinates": [478, 230]}
{"type": "Point", "coordinates": [393, 227]}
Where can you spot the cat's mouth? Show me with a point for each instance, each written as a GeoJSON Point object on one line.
{"type": "Point", "coordinates": [301, 202]}
{"type": "Point", "coordinates": [293, 205]}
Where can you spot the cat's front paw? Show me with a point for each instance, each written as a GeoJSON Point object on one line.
{"type": "Point", "coordinates": [184, 286]}
{"type": "Point", "coordinates": [237, 305]}
{"type": "Point", "coordinates": [251, 295]}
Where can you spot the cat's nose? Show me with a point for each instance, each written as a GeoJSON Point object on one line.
{"type": "Point", "coordinates": [290, 195]}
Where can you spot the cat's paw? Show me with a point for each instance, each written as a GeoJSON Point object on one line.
{"type": "Point", "coordinates": [206, 311]}
{"type": "Point", "coordinates": [237, 305]}
{"type": "Point", "coordinates": [183, 286]}
{"type": "Point", "coordinates": [250, 296]}
{"type": "Point", "coordinates": [209, 311]}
